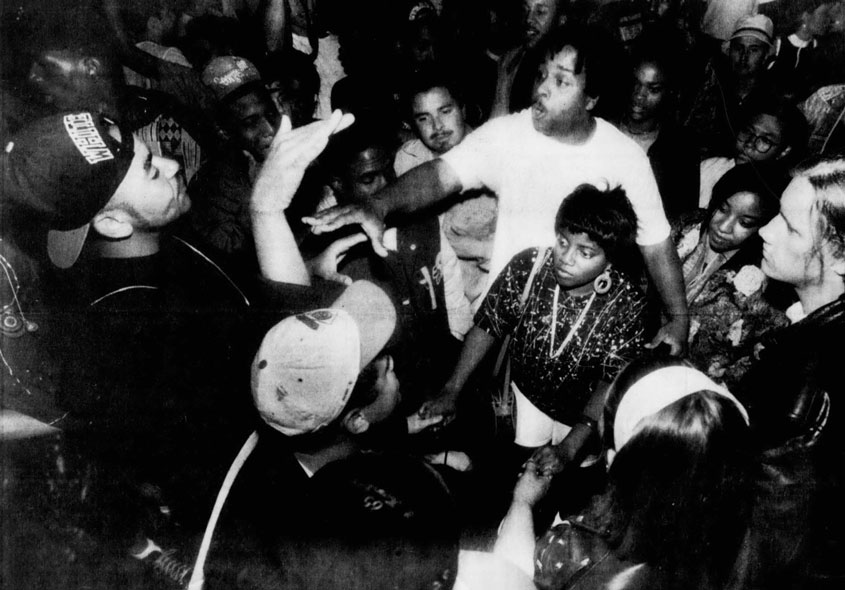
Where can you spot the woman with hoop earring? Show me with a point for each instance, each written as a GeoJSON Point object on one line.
{"type": "Point", "coordinates": [574, 319]}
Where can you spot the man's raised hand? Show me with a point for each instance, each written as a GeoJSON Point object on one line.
{"type": "Point", "coordinates": [291, 152]}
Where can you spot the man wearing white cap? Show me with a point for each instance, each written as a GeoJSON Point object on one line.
{"type": "Point", "coordinates": [319, 385]}
{"type": "Point", "coordinates": [732, 82]}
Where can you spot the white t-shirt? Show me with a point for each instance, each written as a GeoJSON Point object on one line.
{"type": "Point", "coordinates": [532, 173]}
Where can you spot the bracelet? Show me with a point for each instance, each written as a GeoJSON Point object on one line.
{"type": "Point", "coordinates": [588, 422]}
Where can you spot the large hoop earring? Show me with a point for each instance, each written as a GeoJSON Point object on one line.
{"type": "Point", "coordinates": [603, 283]}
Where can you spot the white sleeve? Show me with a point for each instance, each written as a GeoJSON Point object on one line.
{"type": "Point", "coordinates": [642, 191]}
{"type": "Point", "coordinates": [474, 160]}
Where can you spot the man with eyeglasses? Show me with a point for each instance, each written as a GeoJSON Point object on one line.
{"type": "Point", "coordinates": [733, 80]}
{"type": "Point", "coordinates": [773, 130]}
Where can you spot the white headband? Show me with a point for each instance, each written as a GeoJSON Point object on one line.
{"type": "Point", "coordinates": [657, 390]}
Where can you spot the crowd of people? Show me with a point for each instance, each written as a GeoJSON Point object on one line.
{"type": "Point", "coordinates": [403, 294]}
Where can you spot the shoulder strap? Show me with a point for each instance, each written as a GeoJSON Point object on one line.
{"type": "Point", "coordinates": [539, 261]}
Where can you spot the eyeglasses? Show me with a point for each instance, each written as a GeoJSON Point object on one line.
{"type": "Point", "coordinates": [761, 143]}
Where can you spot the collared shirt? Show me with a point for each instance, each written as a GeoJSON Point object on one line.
{"type": "Point", "coordinates": [699, 265]}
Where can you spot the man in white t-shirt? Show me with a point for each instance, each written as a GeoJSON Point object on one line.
{"type": "Point", "coordinates": [534, 158]}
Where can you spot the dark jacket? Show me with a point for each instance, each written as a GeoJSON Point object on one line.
{"type": "Point", "coordinates": [794, 396]}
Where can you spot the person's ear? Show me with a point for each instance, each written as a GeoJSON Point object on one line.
{"type": "Point", "coordinates": [336, 184]}
{"type": "Point", "coordinates": [114, 224]}
{"type": "Point", "coordinates": [355, 422]}
{"type": "Point", "coordinates": [91, 66]}
{"type": "Point", "coordinates": [784, 152]}
{"type": "Point", "coordinates": [591, 103]}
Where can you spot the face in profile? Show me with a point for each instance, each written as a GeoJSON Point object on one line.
{"type": "Point", "coordinates": [578, 260]}
{"type": "Point", "coordinates": [254, 121]}
{"type": "Point", "coordinates": [560, 97]}
{"type": "Point", "coordinates": [438, 119]}
{"type": "Point", "coordinates": [734, 221]}
{"type": "Point", "coordinates": [152, 194]}
{"type": "Point", "coordinates": [761, 140]}
{"type": "Point", "coordinates": [790, 253]}
{"type": "Point", "coordinates": [648, 94]}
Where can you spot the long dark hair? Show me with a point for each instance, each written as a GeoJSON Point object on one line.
{"type": "Point", "coordinates": [679, 492]}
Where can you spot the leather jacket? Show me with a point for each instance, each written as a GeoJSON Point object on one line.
{"type": "Point", "coordinates": [793, 395]}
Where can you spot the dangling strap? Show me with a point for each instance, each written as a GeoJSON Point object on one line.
{"type": "Point", "coordinates": [539, 261]}
{"type": "Point", "coordinates": [502, 397]}
{"type": "Point", "coordinates": [197, 576]}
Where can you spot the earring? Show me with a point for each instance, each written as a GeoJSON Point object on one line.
{"type": "Point", "coordinates": [603, 282]}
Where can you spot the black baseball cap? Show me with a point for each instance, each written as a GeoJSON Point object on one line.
{"type": "Point", "coordinates": [63, 169]}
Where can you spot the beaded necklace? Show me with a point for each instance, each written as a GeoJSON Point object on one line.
{"type": "Point", "coordinates": [581, 317]}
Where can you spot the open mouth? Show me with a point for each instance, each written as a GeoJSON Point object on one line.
{"type": "Point", "coordinates": [537, 109]}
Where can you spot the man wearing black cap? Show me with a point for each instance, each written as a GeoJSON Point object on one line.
{"type": "Point", "coordinates": [68, 154]}
{"type": "Point", "coordinates": [155, 333]}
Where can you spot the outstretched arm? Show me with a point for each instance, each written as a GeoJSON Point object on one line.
{"type": "Point", "coordinates": [477, 344]}
{"type": "Point", "coordinates": [664, 267]}
{"type": "Point", "coordinates": [516, 538]}
{"type": "Point", "coordinates": [290, 154]}
{"type": "Point", "coordinates": [419, 187]}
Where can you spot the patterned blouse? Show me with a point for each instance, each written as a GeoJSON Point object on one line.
{"type": "Point", "coordinates": [610, 335]}
{"type": "Point", "coordinates": [727, 307]}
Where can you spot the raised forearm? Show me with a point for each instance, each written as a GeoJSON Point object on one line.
{"type": "Point", "coordinates": [278, 255]}
{"type": "Point", "coordinates": [515, 541]}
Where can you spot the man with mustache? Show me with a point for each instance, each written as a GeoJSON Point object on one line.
{"type": "Point", "coordinates": [437, 114]}
{"type": "Point", "coordinates": [531, 160]}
